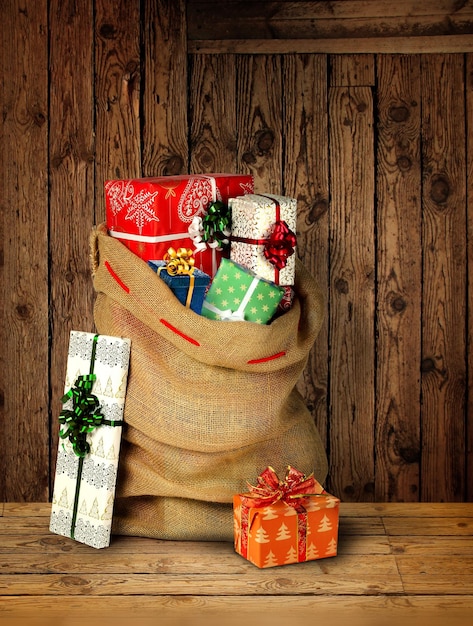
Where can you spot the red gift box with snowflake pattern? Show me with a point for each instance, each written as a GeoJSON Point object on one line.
{"type": "Point", "coordinates": [285, 528]}
{"type": "Point", "coordinates": [149, 215]}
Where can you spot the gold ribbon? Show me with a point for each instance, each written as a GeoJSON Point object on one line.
{"type": "Point", "coordinates": [181, 262]}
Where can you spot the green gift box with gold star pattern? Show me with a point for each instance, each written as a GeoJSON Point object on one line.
{"type": "Point", "coordinates": [237, 294]}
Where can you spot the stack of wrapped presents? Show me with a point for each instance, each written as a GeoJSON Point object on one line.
{"type": "Point", "coordinates": [228, 254]}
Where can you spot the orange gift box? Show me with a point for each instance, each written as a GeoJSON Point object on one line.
{"type": "Point", "coordinates": [282, 522]}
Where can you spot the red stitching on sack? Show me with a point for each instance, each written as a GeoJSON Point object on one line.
{"type": "Point", "coordinates": [178, 332]}
{"type": "Point", "coordinates": [266, 358]}
{"type": "Point", "coordinates": [116, 277]}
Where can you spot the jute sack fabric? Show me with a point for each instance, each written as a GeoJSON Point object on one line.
{"type": "Point", "coordinates": [209, 404]}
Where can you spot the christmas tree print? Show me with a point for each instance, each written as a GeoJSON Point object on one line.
{"type": "Point", "coordinates": [99, 451]}
{"type": "Point", "coordinates": [270, 513]}
{"type": "Point", "coordinates": [261, 536]}
{"type": "Point", "coordinates": [331, 548]}
{"type": "Point", "coordinates": [290, 511]}
{"type": "Point", "coordinates": [122, 388]}
{"type": "Point", "coordinates": [312, 552]}
{"type": "Point", "coordinates": [283, 533]}
{"type": "Point", "coordinates": [63, 499]}
{"type": "Point", "coordinates": [270, 560]}
{"type": "Point", "coordinates": [111, 456]}
{"type": "Point", "coordinates": [94, 510]}
{"type": "Point", "coordinates": [107, 514]}
{"type": "Point", "coordinates": [313, 504]}
{"type": "Point", "coordinates": [83, 508]}
{"type": "Point", "coordinates": [98, 387]}
{"type": "Point", "coordinates": [291, 556]}
{"type": "Point", "coordinates": [108, 388]}
{"type": "Point", "coordinates": [331, 502]}
{"type": "Point", "coordinates": [324, 525]}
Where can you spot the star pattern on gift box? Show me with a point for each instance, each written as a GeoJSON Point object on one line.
{"type": "Point", "coordinates": [233, 287]}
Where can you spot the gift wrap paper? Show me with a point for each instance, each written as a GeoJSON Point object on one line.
{"type": "Point", "coordinates": [189, 289]}
{"type": "Point", "coordinates": [150, 214]}
{"type": "Point", "coordinates": [253, 217]}
{"type": "Point", "coordinates": [84, 487]}
{"type": "Point", "coordinates": [279, 535]}
{"type": "Point", "coordinates": [236, 294]}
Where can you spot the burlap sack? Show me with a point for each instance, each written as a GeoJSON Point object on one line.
{"type": "Point", "coordinates": [209, 404]}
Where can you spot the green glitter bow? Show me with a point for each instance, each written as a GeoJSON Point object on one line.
{"type": "Point", "coordinates": [84, 416]}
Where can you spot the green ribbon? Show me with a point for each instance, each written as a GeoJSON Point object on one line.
{"type": "Point", "coordinates": [85, 414]}
{"type": "Point", "coordinates": [216, 224]}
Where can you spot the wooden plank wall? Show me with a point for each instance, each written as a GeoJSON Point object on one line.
{"type": "Point", "coordinates": [362, 110]}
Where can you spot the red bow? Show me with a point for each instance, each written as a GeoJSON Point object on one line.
{"type": "Point", "coordinates": [292, 490]}
{"type": "Point", "coordinates": [280, 245]}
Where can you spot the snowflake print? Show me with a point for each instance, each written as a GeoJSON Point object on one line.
{"type": "Point", "coordinates": [140, 209]}
{"type": "Point", "coordinates": [119, 194]}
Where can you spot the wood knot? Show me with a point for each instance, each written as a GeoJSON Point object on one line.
{"type": "Point", "coordinates": [397, 303]}
{"type": "Point", "coordinates": [398, 113]}
{"type": "Point", "coordinates": [404, 163]}
{"type": "Point", "coordinates": [249, 158]}
{"type": "Point", "coordinates": [317, 210]}
{"type": "Point", "coordinates": [174, 165]}
{"type": "Point", "coordinates": [439, 190]}
{"type": "Point", "coordinates": [264, 140]}
{"type": "Point", "coordinates": [341, 285]}
{"type": "Point", "coordinates": [108, 31]}
{"type": "Point", "coordinates": [206, 159]}
{"type": "Point", "coordinates": [24, 311]}
{"type": "Point", "coordinates": [427, 365]}
{"type": "Point", "coordinates": [410, 454]}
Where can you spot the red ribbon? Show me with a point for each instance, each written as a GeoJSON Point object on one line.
{"type": "Point", "coordinates": [280, 245]}
{"type": "Point", "coordinates": [293, 490]}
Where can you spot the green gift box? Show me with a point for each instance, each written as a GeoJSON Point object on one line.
{"type": "Point", "coordinates": [237, 294]}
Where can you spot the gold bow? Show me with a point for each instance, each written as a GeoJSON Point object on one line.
{"type": "Point", "coordinates": [180, 261]}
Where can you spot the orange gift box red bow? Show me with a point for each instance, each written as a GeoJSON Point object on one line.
{"type": "Point", "coordinates": [285, 521]}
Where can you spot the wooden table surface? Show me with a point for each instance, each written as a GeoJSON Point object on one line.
{"type": "Point", "coordinates": [396, 563]}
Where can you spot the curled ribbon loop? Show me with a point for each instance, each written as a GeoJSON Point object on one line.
{"type": "Point", "coordinates": [280, 245]}
{"type": "Point", "coordinates": [180, 261]}
{"type": "Point", "coordinates": [292, 490]}
{"type": "Point", "coordinates": [213, 229]}
{"type": "Point", "coordinates": [84, 416]}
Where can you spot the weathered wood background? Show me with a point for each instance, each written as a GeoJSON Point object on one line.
{"type": "Point", "coordinates": [363, 110]}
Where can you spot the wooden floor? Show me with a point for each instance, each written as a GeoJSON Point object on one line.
{"type": "Point", "coordinates": [396, 563]}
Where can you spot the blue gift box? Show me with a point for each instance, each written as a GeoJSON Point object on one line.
{"type": "Point", "coordinates": [181, 284]}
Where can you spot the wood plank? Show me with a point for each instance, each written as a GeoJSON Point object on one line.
{"type": "Point", "coordinates": [351, 295]}
{"type": "Point", "coordinates": [445, 545]}
{"type": "Point", "coordinates": [436, 574]}
{"type": "Point", "coordinates": [30, 550]}
{"type": "Point", "coordinates": [352, 71]}
{"type": "Point", "coordinates": [209, 610]}
{"type": "Point", "coordinates": [164, 138]}
{"type": "Point", "coordinates": [305, 177]}
{"type": "Point", "coordinates": [441, 44]}
{"type": "Point", "coordinates": [212, 106]}
{"type": "Point", "coordinates": [399, 271]}
{"type": "Point", "coordinates": [366, 611]}
{"type": "Point", "coordinates": [322, 20]}
{"type": "Point", "coordinates": [340, 575]}
{"type": "Point", "coordinates": [259, 120]}
{"type": "Point", "coordinates": [24, 253]}
{"type": "Point", "coordinates": [444, 279]}
{"type": "Point", "coordinates": [469, 222]}
{"type": "Point", "coordinates": [117, 94]}
{"type": "Point", "coordinates": [431, 526]}
{"type": "Point", "coordinates": [71, 168]}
